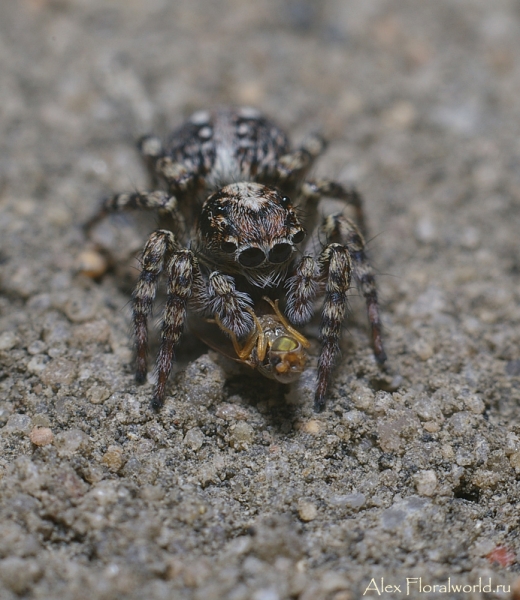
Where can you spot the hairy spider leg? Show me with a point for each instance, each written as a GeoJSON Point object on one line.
{"type": "Point", "coordinates": [157, 250]}
{"type": "Point", "coordinates": [157, 200]}
{"type": "Point", "coordinates": [339, 228]}
{"type": "Point", "coordinates": [313, 191]}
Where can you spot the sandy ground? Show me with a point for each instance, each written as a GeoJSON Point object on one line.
{"type": "Point", "coordinates": [236, 489]}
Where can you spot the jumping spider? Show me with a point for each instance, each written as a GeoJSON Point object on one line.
{"type": "Point", "coordinates": [235, 236]}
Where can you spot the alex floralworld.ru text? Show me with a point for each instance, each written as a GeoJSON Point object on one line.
{"type": "Point", "coordinates": [415, 585]}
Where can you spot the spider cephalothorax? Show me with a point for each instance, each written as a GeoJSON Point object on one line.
{"type": "Point", "coordinates": [227, 176]}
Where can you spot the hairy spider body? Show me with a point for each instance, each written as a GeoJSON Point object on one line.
{"type": "Point", "coordinates": [237, 237]}
{"type": "Point", "coordinates": [227, 145]}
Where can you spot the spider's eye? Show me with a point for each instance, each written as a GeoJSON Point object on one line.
{"type": "Point", "coordinates": [229, 247]}
{"type": "Point", "coordinates": [299, 236]}
{"type": "Point", "coordinates": [285, 201]}
{"type": "Point", "coordinates": [280, 252]}
{"type": "Point", "coordinates": [252, 257]}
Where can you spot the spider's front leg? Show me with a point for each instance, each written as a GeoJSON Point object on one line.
{"type": "Point", "coordinates": [182, 271]}
{"type": "Point", "coordinates": [157, 251]}
{"type": "Point", "coordinates": [313, 191]}
{"type": "Point", "coordinates": [157, 200]}
{"type": "Point", "coordinates": [233, 308]}
{"type": "Point", "coordinates": [292, 167]}
{"type": "Point", "coordinates": [333, 271]}
{"type": "Point", "coordinates": [339, 228]}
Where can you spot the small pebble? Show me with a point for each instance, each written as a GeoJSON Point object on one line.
{"type": "Point", "coordinates": [93, 474]}
{"type": "Point", "coordinates": [59, 371]}
{"type": "Point", "coordinates": [8, 340]}
{"type": "Point", "coordinates": [104, 492]}
{"type": "Point", "coordinates": [113, 458]}
{"type": "Point", "coordinates": [426, 482]}
{"type": "Point", "coordinates": [485, 479]}
{"type": "Point", "coordinates": [474, 404]}
{"type": "Point", "coordinates": [307, 511]}
{"type": "Point", "coordinates": [80, 307]}
{"type": "Point", "coordinates": [194, 438]}
{"type": "Point", "coordinates": [401, 115]}
{"type": "Point", "coordinates": [362, 397]}
{"type": "Point", "coordinates": [503, 556]}
{"type": "Point", "coordinates": [18, 423]}
{"type": "Point", "coordinates": [57, 351]}
{"type": "Point", "coordinates": [514, 460]}
{"type": "Point", "coordinates": [37, 347]}
{"type": "Point", "coordinates": [266, 594]}
{"type": "Point", "coordinates": [241, 435]}
{"type": "Point", "coordinates": [41, 436]}
{"type": "Point", "coordinates": [355, 500]}
{"type": "Point", "coordinates": [231, 412]}
{"type": "Point", "coordinates": [427, 408]}
{"type": "Point", "coordinates": [447, 452]}
{"type": "Point", "coordinates": [464, 457]}
{"type": "Point", "coordinates": [425, 230]}
{"type": "Point", "coordinates": [431, 426]}
{"type": "Point", "coordinates": [203, 381]}
{"type": "Point", "coordinates": [461, 423]}
{"type": "Point", "coordinates": [92, 264]}
{"type": "Point", "coordinates": [152, 493]}
{"type": "Point", "coordinates": [41, 420]}
{"type": "Point", "coordinates": [333, 582]}
{"type": "Point", "coordinates": [37, 364]}
{"type": "Point", "coordinates": [483, 546]}
{"type": "Point", "coordinates": [98, 393]}
{"type": "Point", "coordinates": [18, 574]}
{"type": "Point", "coordinates": [71, 442]}
{"type": "Point", "coordinates": [423, 350]}
{"type": "Point", "coordinates": [56, 329]}
{"type": "Point", "coordinates": [313, 427]}
{"type": "Point", "coordinates": [512, 443]}
{"type": "Point", "coordinates": [92, 332]}
{"type": "Point", "coordinates": [343, 595]}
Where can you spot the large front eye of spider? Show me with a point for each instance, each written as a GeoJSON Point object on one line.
{"type": "Point", "coordinates": [279, 253]}
{"type": "Point", "coordinates": [252, 257]}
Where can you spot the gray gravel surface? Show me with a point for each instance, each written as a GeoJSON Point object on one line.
{"type": "Point", "coordinates": [237, 489]}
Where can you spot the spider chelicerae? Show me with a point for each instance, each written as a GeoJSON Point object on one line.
{"type": "Point", "coordinates": [239, 207]}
